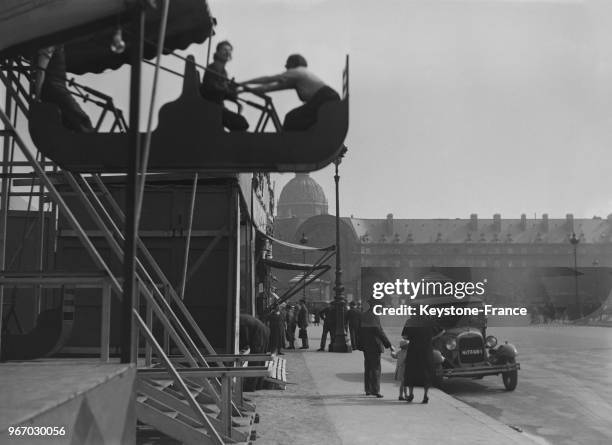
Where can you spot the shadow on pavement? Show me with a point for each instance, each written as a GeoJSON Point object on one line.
{"type": "Point", "coordinates": [358, 377]}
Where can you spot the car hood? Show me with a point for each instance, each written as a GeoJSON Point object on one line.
{"type": "Point", "coordinates": [455, 332]}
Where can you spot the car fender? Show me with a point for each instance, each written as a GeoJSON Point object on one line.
{"type": "Point", "coordinates": [505, 352]}
{"type": "Point", "coordinates": [438, 358]}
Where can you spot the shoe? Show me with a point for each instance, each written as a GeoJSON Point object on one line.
{"type": "Point", "coordinates": [320, 350]}
{"type": "Point", "coordinates": [401, 398]}
{"type": "Point", "coordinates": [379, 396]}
{"type": "Point", "coordinates": [281, 353]}
{"type": "Point", "coordinates": [303, 347]}
{"type": "Point", "coordinates": [425, 399]}
{"type": "Point", "coordinates": [410, 398]}
{"type": "Point", "coordinates": [368, 393]}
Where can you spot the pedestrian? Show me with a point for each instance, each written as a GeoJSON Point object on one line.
{"type": "Point", "coordinates": [276, 323]}
{"type": "Point", "coordinates": [419, 365]}
{"type": "Point", "coordinates": [328, 328]}
{"type": "Point", "coordinates": [400, 367]}
{"type": "Point", "coordinates": [302, 322]}
{"type": "Point", "coordinates": [310, 89]}
{"type": "Point", "coordinates": [254, 337]}
{"type": "Point", "coordinates": [217, 88]}
{"type": "Point", "coordinates": [317, 318]}
{"type": "Point", "coordinates": [290, 326]}
{"type": "Point", "coordinates": [372, 340]}
{"type": "Point", "coordinates": [353, 323]}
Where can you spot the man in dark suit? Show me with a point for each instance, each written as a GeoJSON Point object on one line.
{"type": "Point", "coordinates": [302, 322]}
{"type": "Point", "coordinates": [352, 316]}
{"type": "Point", "coordinates": [328, 321]}
{"type": "Point", "coordinates": [372, 340]}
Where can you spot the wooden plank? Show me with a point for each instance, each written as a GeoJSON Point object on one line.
{"type": "Point", "coordinates": [250, 371]}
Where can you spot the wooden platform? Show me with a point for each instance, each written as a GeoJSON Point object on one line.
{"type": "Point", "coordinates": [93, 401]}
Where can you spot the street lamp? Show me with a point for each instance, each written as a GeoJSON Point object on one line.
{"type": "Point", "coordinates": [574, 242]}
{"type": "Point", "coordinates": [339, 300]}
{"type": "Point", "coordinates": [303, 242]}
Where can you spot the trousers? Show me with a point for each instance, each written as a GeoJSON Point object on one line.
{"type": "Point", "coordinates": [371, 374]}
{"type": "Point", "coordinates": [234, 121]}
{"type": "Point", "coordinates": [353, 334]}
{"type": "Point", "coordinates": [304, 117]}
{"type": "Point", "coordinates": [326, 330]}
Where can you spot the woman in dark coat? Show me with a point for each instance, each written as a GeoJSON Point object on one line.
{"type": "Point", "coordinates": [276, 321]}
{"type": "Point", "coordinates": [419, 367]}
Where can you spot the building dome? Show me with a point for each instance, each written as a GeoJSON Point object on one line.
{"type": "Point", "coordinates": [302, 197]}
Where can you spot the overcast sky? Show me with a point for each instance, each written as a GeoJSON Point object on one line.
{"type": "Point", "coordinates": [457, 106]}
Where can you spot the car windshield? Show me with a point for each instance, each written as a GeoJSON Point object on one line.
{"type": "Point", "coordinates": [455, 321]}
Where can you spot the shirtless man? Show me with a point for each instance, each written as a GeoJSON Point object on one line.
{"type": "Point", "coordinates": [310, 89]}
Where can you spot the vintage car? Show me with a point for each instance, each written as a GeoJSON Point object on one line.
{"type": "Point", "coordinates": [463, 349]}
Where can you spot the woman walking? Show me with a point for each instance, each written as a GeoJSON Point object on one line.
{"type": "Point", "coordinates": [419, 366]}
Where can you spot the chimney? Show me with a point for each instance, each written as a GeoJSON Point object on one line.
{"type": "Point", "coordinates": [473, 225]}
{"type": "Point", "coordinates": [569, 222]}
{"type": "Point", "coordinates": [545, 222]}
{"type": "Point", "coordinates": [497, 223]}
{"type": "Point", "coordinates": [389, 225]}
{"type": "Point", "coordinates": [523, 224]}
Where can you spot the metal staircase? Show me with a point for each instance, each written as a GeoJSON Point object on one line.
{"type": "Point", "coordinates": [195, 398]}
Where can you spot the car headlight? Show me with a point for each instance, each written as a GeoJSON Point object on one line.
{"type": "Point", "coordinates": [451, 344]}
{"type": "Point", "coordinates": [491, 341]}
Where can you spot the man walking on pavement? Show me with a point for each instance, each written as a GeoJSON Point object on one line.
{"type": "Point", "coordinates": [372, 340]}
{"type": "Point", "coordinates": [302, 322]}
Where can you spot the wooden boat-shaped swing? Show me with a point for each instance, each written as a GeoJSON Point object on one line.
{"type": "Point", "coordinates": [190, 137]}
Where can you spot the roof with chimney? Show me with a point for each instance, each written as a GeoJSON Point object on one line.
{"type": "Point", "coordinates": [476, 230]}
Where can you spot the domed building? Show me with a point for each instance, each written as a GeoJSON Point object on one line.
{"type": "Point", "coordinates": [302, 218]}
{"type": "Point", "coordinates": [302, 197]}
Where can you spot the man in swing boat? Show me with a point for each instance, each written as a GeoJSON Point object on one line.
{"type": "Point", "coordinates": [216, 87]}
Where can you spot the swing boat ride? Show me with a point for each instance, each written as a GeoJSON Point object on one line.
{"type": "Point", "coordinates": [123, 267]}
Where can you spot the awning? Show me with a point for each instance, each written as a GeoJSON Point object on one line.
{"type": "Point", "coordinates": [293, 266]}
{"type": "Point", "coordinates": [189, 21]}
{"type": "Point", "coordinates": [86, 28]}
{"type": "Point", "coordinates": [48, 22]}
{"type": "Point", "coordinates": [296, 246]}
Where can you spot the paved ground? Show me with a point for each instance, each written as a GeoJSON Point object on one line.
{"type": "Point", "coordinates": [296, 415]}
{"type": "Point", "coordinates": [565, 384]}
{"type": "Point", "coordinates": [328, 406]}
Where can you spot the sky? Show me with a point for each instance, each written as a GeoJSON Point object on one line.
{"type": "Point", "coordinates": [456, 106]}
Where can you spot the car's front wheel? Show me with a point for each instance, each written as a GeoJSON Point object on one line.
{"type": "Point", "coordinates": [510, 379]}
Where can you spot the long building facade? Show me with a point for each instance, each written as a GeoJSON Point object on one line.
{"type": "Point", "coordinates": [525, 261]}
